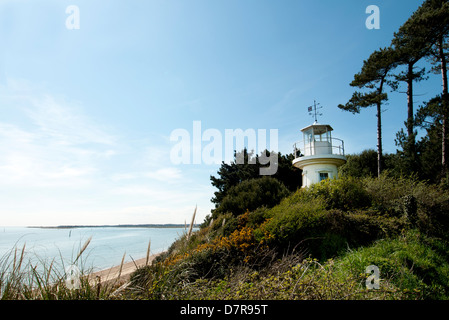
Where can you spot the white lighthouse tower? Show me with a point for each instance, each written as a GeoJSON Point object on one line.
{"type": "Point", "coordinates": [319, 154]}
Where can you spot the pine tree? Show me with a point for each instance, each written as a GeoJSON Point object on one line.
{"type": "Point", "coordinates": [436, 13]}
{"type": "Point", "coordinates": [412, 42]}
{"type": "Point", "coordinates": [374, 76]}
{"type": "Point", "coordinates": [429, 117]}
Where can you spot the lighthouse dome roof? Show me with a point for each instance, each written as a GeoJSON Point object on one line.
{"type": "Point", "coordinates": [318, 128]}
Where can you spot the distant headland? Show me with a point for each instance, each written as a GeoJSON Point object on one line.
{"type": "Point", "coordinates": [169, 225]}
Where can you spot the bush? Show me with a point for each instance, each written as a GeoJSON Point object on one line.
{"type": "Point", "coordinates": [258, 216]}
{"type": "Point", "coordinates": [252, 194]}
{"type": "Point", "coordinates": [327, 218]}
{"type": "Point", "coordinates": [292, 222]}
{"type": "Point", "coordinates": [326, 233]}
{"type": "Point", "coordinates": [346, 193]}
{"type": "Point", "coordinates": [360, 165]}
{"type": "Point", "coordinates": [359, 228]}
{"type": "Point", "coordinates": [425, 205]}
{"type": "Point", "coordinates": [224, 225]}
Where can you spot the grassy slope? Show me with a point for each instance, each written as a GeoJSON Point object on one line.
{"type": "Point", "coordinates": [316, 244]}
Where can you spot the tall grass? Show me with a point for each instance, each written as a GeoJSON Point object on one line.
{"type": "Point", "coordinates": [26, 276]}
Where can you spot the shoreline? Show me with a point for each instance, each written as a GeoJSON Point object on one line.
{"type": "Point", "coordinates": [155, 226]}
{"type": "Point", "coordinates": [114, 274]}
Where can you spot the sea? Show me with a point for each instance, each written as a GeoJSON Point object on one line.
{"type": "Point", "coordinates": [106, 248]}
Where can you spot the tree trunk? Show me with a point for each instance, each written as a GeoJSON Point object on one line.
{"type": "Point", "coordinates": [379, 131]}
{"type": "Point", "coordinates": [411, 136]}
{"type": "Point", "coordinates": [445, 100]}
{"type": "Point", "coordinates": [379, 140]}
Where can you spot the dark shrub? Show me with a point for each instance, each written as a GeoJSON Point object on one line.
{"type": "Point", "coordinates": [252, 194]}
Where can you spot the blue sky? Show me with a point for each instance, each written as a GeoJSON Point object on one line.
{"type": "Point", "coordinates": [86, 114]}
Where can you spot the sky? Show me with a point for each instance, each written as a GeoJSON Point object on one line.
{"type": "Point", "coordinates": [89, 98]}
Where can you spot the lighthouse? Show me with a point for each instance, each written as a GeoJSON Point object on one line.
{"type": "Point", "coordinates": [319, 154]}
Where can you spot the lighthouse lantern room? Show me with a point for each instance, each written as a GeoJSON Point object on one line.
{"type": "Point", "coordinates": [319, 154]}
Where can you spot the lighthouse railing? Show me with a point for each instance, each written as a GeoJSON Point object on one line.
{"type": "Point", "coordinates": [311, 148]}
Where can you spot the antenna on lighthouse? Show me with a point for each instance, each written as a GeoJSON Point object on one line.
{"type": "Point", "coordinates": [313, 110]}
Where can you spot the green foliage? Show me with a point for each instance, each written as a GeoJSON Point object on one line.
{"type": "Point", "coordinates": [281, 280]}
{"type": "Point", "coordinates": [251, 194]}
{"type": "Point", "coordinates": [326, 218]}
{"type": "Point", "coordinates": [346, 193]}
{"type": "Point", "coordinates": [231, 175]}
{"type": "Point", "coordinates": [412, 262]}
{"type": "Point", "coordinates": [360, 165]}
{"type": "Point", "coordinates": [258, 216]}
{"type": "Point", "coordinates": [364, 164]}
{"type": "Point", "coordinates": [289, 175]}
{"type": "Point", "coordinates": [374, 75]}
{"type": "Point", "coordinates": [289, 278]}
{"type": "Point", "coordinates": [224, 225]}
{"type": "Point", "coordinates": [389, 196]}
{"type": "Point", "coordinates": [292, 222]}
{"type": "Point", "coordinates": [430, 117]}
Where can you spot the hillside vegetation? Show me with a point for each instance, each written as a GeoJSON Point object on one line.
{"type": "Point", "coordinates": [315, 244]}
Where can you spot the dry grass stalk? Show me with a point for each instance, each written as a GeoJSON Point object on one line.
{"type": "Point", "coordinates": [121, 266]}
{"type": "Point", "coordinates": [148, 253]}
{"type": "Point", "coordinates": [191, 224]}
{"type": "Point", "coordinates": [120, 289]}
{"type": "Point", "coordinates": [83, 249]}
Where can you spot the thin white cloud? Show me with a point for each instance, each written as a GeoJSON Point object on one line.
{"type": "Point", "coordinates": [66, 125]}
{"type": "Point", "coordinates": [47, 141]}
{"type": "Point", "coordinates": [165, 174]}
{"type": "Point", "coordinates": [60, 166]}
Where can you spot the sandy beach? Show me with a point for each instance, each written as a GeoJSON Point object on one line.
{"type": "Point", "coordinates": [126, 270]}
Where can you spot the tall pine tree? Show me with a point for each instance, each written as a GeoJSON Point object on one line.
{"type": "Point", "coordinates": [413, 42]}
{"type": "Point", "coordinates": [373, 76]}
{"type": "Point", "coordinates": [435, 14]}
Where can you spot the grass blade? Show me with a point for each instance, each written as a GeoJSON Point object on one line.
{"type": "Point", "coordinates": [148, 253]}
{"type": "Point", "coordinates": [191, 224]}
{"type": "Point", "coordinates": [83, 249]}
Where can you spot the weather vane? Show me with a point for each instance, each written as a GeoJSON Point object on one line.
{"type": "Point", "coordinates": [313, 110]}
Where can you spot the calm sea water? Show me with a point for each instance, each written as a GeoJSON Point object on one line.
{"type": "Point", "coordinates": [106, 249]}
